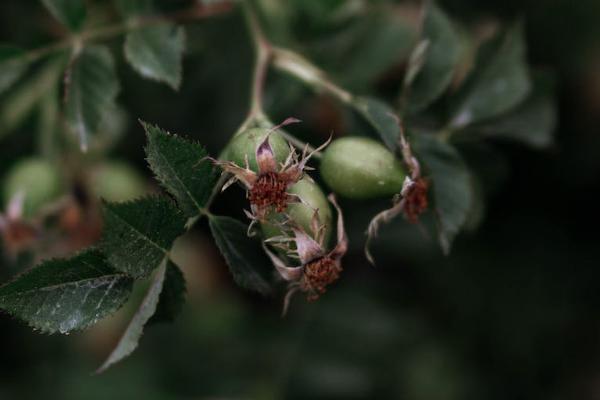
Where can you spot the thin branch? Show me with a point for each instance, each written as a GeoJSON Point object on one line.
{"type": "Point", "coordinates": [264, 54]}
{"type": "Point", "coordinates": [191, 14]}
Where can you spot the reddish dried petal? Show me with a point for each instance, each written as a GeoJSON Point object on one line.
{"type": "Point", "coordinates": [318, 275]}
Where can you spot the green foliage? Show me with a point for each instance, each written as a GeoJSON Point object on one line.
{"type": "Point", "coordinates": [70, 13]}
{"type": "Point", "coordinates": [12, 65]}
{"type": "Point", "coordinates": [381, 117]}
{"type": "Point", "coordinates": [172, 296]}
{"type": "Point", "coordinates": [441, 57]}
{"type": "Point", "coordinates": [532, 123]}
{"type": "Point", "coordinates": [156, 53]}
{"type": "Point", "coordinates": [139, 234]}
{"type": "Point", "coordinates": [247, 262]}
{"type": "Point", "coordinates": [91, 91]}
{"type": "Point", "coordinates": [180, 167]}
{"type": "Point", "coordinates": [451, 185]}
{"type": "Point", "coordinates": [25, 97]}
{"type": "Point", "coordinates": [133, 8]}
{"type": "Point", "coordinates": [62, 295]}
{"type": "Point", "coordinates": [500, 80]}
{"type": "Point", "coordinates": [130, 338]}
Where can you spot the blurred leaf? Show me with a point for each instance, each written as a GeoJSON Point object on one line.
{"type": "Point", "coordinates": [131, 337]}
{"type": "Point", "coordinates": [500, 80]}
{"type": "Point", "coordinates": [66, 294]}
{"type": "Point", "coordinates": [178, 165]}
{"type": "Point", "coordinates": [381, 117]}
{"type": "Point", "coordinates": [532, 123]}
{"type": "Point", "coordinates": [139, 234]}
{"type": "Point", "coordinates": [441, 58]}
{"type": "Point", "coordinates": [12, 65]}
{"type": "Point", "coordinates": [129, 8]}
{"type": "Point", "coordinates": [368, 47]}
{"type": "Point", "coordinates": [70, 13]}
{"type": "Point", "coordinates": [451, 186]}
{"type": "Point", "coordinates": [172, 296]}
{"type": "Point", "coordinates": [23, 99]}
{"type": "Point", "coordinates": [156, 53]}
{"type": "Point", "coordinates": [244, 255]}
{"type": "Point", "coordinates": [90, 92]}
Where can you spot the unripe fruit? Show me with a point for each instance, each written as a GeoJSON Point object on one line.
{"type": "Point", "coordinates": [117, 181]}
{"type": "Point", "coordinates": [361, 168]}
{"type": "Point", "coordinates": [302, 214]}
{"type": "Point", "coordinates": [38, 179]}
{"type": "Point", "coordinates": [246, 143]}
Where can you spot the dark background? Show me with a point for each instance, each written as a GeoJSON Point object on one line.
{"type": "Point", "coordinates": [512, 313]}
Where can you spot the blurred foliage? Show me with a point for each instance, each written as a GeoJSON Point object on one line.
{"type": "Point", "coordinates": [511, 313]}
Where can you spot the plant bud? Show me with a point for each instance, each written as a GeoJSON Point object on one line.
{"type": "Point", "coordinates": [361, 168]}
{"type": "Point", "coordinates": [39, 180]}
{"type": "Point", "coordinates": [245, 144]}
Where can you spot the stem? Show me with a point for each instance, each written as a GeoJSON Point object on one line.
{"type": "Point", "coordinates": [264, 54]}
{"type": "Point", "coordinates": [299, 67]}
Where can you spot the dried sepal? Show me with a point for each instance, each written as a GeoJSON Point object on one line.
{"type": "Point", "coordinates": [412, 200]}
{"type": "Point", "coordinates": [267, 189]}
{"type": "Point", "coordinates": [318, 268]}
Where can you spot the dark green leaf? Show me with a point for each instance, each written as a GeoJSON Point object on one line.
{"type": "Point", "coordinates": [381, 117]}
{"type": "Point", "coordinates": [172, 296]}
{"type": "Point", "coordinates": [244, 255]}
{"type": "Point", "coordinates": [26, 96]}
{"type": "Point", "coordinates": [451, 185]}
{"type": "Point", "coordinates": [441, 58]}
{"type": "Point", "coordinates": [499, 83]}
{"type": "Point", "coordinates": [138, 234]}
{"type": "Point", "coordinates": [131, 337]}
{"type": "Point", "coordinates": [70, 13]}
{"type": "Point", "coordinates": [12, 65]}
{"type": "Point", "coordinates": [532, 123]}
{"type": "Point", "coordinates": [177, 164]}
{"type": "Point", "coordinates": [156, 53]}
{"type": "Point", "coordinates": [90, 92]}
{"type": "Point", "coordinates": [66, 294]}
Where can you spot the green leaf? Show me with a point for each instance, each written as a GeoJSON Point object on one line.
{"type": "Point", "coordinates": [12, 65]}
{"type": "Point", "coordinates": [381, 117]}
{"type": "Point", "coordinates": [442, 56]}
{"type": "Point", "coordinates": [500, 81]}
{"type": "Point", "coordinates": [139, 234]}
{"type": "Point", "coordinates": [246, 259]}
{"type": "Point", "coordinates": [70, 13]}
{"type": "Point", "coordinates": [532, 123]}
{"type": "Point", "coordinates": [172, 296]}
{"type": "Point", "coordinates": [131, 337]}
{"type": "Point", "coordinates": [62, 295]}
{"type": "Point", "coordinates": [451, 186]}
{"type": "Point", "coordinates": [177, 164]}
{"type": "Point", "coordinates": [156, 53]}
{"type": "Point", "coordinates": [90, 92]}
{"type": "Point", "coordinates": [28, 94]}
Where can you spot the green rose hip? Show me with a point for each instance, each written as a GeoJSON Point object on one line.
{"type": "Point", "coordinates": [361, 168]}
{"type": "Point", "coordinates": [37, 179]}
{"type": "Point", "coordinates": [117, 181]}
{"type": "Point", "coordinates": [245, 144]}
{"type": "Point", "coordinates": [302, 214]}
